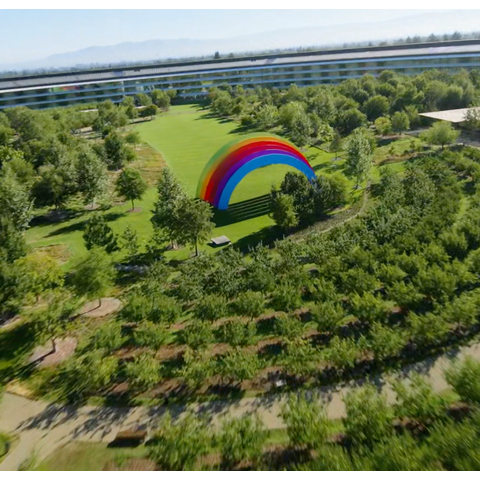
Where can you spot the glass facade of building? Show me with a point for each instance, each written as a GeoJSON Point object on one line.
{"type": "Point", "coordinates": [194, 80]}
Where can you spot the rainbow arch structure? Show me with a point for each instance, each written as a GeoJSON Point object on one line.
{"type": "Point", "coordinates": [227, 168]}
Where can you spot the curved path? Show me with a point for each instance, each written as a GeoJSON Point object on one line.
{"type": "Point", "coordinates": [43, 427]}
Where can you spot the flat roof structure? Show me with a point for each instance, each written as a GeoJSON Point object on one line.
{"type": "Point", "coordinates": [193, 79]}
{"type": "Point", "coordinates": [453, 116]}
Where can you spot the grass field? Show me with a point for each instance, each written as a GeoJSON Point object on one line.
{"type": "Point", "coordinates": [185, 138]}
{"type": "Point", "coordinates": [188, 136]}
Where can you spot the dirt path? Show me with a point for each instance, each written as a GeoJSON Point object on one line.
{"type": "Point", "coordinates": [43, 427]}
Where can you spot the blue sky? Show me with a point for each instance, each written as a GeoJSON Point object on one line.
{"type": "Point", "coordinates": [36, 34]}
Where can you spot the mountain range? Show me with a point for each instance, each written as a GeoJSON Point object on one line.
{"type": "Point", "coordinates": [326, 36]}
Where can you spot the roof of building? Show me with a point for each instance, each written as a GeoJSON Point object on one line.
{"type": "Point", "coordinates": [453, 116]}
{"type": "Point", "coordinates": [143, 72]}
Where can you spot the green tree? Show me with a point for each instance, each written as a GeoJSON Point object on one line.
{"type": "Point", "coordinates": [15, 201]}
{"type": "Point", "coordinates": [235, 332]}
{"type": "Point", "coordinates": [169, 193]}
{"type": "Point", "coordinates": [383, 125]}
{"type": "Point", "coordinates": [131, 185]}
{"type": "Point", "coordinates": [369, 419]}
{"type": "Point", "coordinates": [193, 221]}
{"type": "Point", "coordinates": [283, 211]}
{"type": "Point", "coordinates": [130, 241]}
{"type": "Point", "coordinates": [211, 307]}
{"type": "Point", "coordinates": [197, 367]}
{"type": "Point", "coordinates": [266, 117]}
{"type": "Point", "coordinates": [94, 275]}
{"type": "Point", "coordinates": [298, 357]}
{"type": "Point", "coordinates": [336, 143]}
{"type": "Point", "coordinates": [358, 156]}
{"type": "Point", "coordinates": [143, 373]}
{"type": "Point", "coordinates": [249, 304]}
{"type": "Point", "coordinates": [99, 234]}
{"type": "Point", "coordinates": [416, 400]}
{"type": "Point", "coordinates": [342, 352]}
{"type": "Point", "coordinates": [400, 122]}
{"type": "Point", "coordinates": [41, 273]}
{"type": "Point", "coordinates": [108, 336]}
{"type": "Point", "coordinates": [464, 377]}
{"type": "Point", "coordinates": [198, 334]}
{"type": "Point", "coordinates": [239, 365]}
{"type": "Point", "coordinates": [117, 154]}
{"type": "Point", "coordinates": [178, 445]}
{"type": "Point", "coordinates": [242, 439]}
{"type": "Point", "coordinates": [133, 138]}
{"type": "Point", "coordinates": [151, 335]}
{"type": "Point", "coordinates": [376, 107]}
{"type": "Point", "coordinates": [53, 320]}
{"type": "Point", "coordinates": [88, 373]}
{"type": "Point", "coordinates": [440, 133]}
{"type": "Point", "coordinates": [92, 176]}
{"type": "Point", "coordinates": [306, 420]}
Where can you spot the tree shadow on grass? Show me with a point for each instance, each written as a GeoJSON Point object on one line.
{"type": "Point", "coordinates": [240, 211]}
{"type": "Point", "coordinates": [109, 217]}
{"type": "Point", "coordinates": [15, 346]}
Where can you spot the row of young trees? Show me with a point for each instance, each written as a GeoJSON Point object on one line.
{"type": "Point", "coordinates": [418, 432]}
{"type": "Point", "coordinates": [395, 283]}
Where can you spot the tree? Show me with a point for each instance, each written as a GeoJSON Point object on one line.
{"type": "Point", "coordinates": [283, 211]}
{"type": "Point", "coordinates": [239, 365]}
{"type": "Point", "coordinates": [359, 156]}
{"type": "Point", "coordinates": [336, 144]}
{"type": "Point", "coordinates": [95, 275]}
{"type": "Point", "coordinates": [99, 234]}
{"type": "Point", "coordinates": [471, 120]}
{"type": "Point", "coordinates": [383, 125]}
{"type": "Point", "coordinates": [130, 241]}
{"type": "Point", "coordinates": [298, 357]}
{"type": "Point", "coordinates": [52, 320]}
{"type": "Point", "coordinates": [41, 273]}
{"type": "Point", "coordinates": [242, 439]}
{"type": "Point", "coordinates": [250, 304]}
{"type": "Point", "coordinates": [306, 420]}
{"type": "Point", "coordinates": [236, 333]}
{"type": "Point", "coordinates": [161, 99]}
{"type": "Point", "coordinates": [169, 193]}
{"type": "Point", "coordinates": [88, 373]}
{"type": "Point", "coordinates": [117, 154]}
{"type": "Point", "coordinates": [197, 367]}
{"type": "Point", "coordinates": [350, 119]}
{"type": "Point", "coordinates": [108, 336]}
{"type": "Point", "coordinates": [266, 117]}
{"type": "Point", "coordinates": [131, 185]}
{"type": "Point", "coordinates": [376, 107]}
{"type": "Point", "coordinates": [92, 176]}
{"type": "Point", "coordinates": [385, 342]}
{"type": "Point", "coordinates": [327, 315]}
{"type": "Point", "coordinates": [211, 307]}
{"type": "Point", "coordinates": [143, 373]}
{"type": "Point", "coordinates": [400, 122]}
{"type": "Point", "coordinates": [440, 133]}
{"type": "Point", "coordinates": [193, 221]}
{"type": "Point", "coordinates": [178, 445]}
{"type": "Point", "coordinates": [342, 352]}
{"type": "Point", "coordinates": [15, 201]}
{"type": "Point", "coordinates": [369, 419]}
{"type": "Point", "coordinates": [133, 138]}
{"type": "Point", "coordinates": [149, 111]}
{"type": "Point", "coordinates": [464, 377]}
{"type": "Point", "coordinates": [198, 334]}
{"type": "Point", "coordinates": [416, 400]}
{"type": "Point", "coordinates": [151, 335]}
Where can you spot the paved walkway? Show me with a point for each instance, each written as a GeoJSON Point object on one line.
{"type": "Point", "coordinates": [43, 427]}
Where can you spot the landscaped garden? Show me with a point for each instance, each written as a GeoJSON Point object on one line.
{"type": "Point", "coordinates": [111, 295]}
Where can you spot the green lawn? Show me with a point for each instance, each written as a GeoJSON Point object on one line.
{"type": "Point", "coordinates": [186, 137]}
